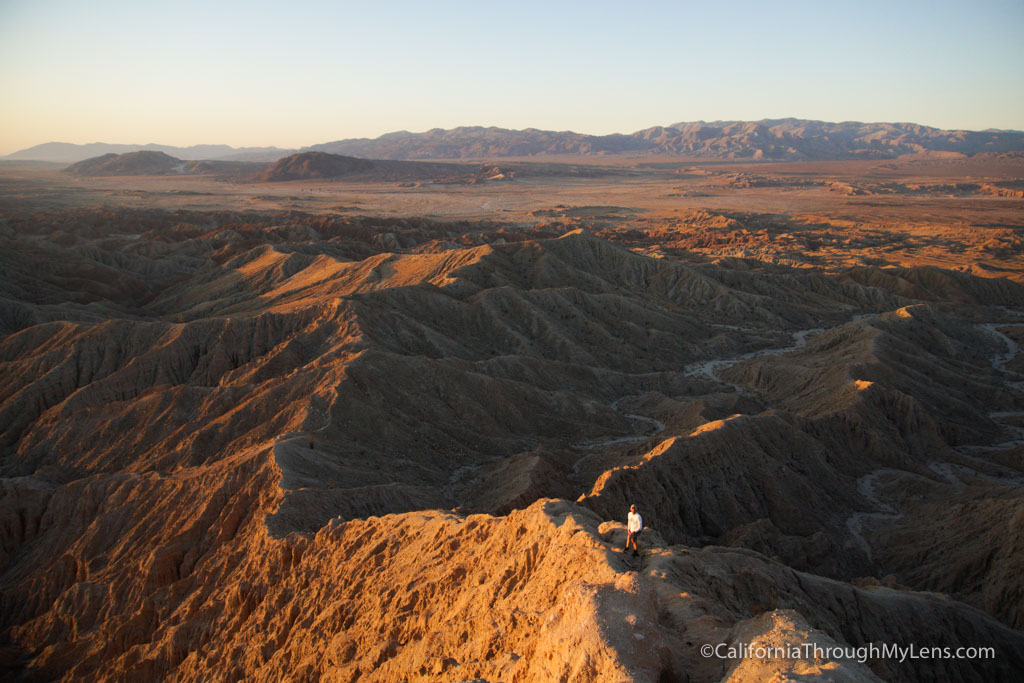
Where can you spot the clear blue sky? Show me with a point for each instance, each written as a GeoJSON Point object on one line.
{"type": "Point", "coordinates": [302, 72]}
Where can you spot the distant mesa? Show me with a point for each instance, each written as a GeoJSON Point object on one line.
{"type": "Point", "coordinates": [315, 165]}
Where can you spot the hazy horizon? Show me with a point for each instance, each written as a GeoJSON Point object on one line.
{"type": "Point", "coordinates": [258, 75]}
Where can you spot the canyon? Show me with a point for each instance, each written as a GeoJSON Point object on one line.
{"type": "Point", "coordinates": [386, 424]}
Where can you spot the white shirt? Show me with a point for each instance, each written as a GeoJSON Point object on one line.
{"type": "Point", "coordinates": [636, 522]}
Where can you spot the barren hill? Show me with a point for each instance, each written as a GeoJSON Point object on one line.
{"type": "Point", "coordinates": [260, 446]}
{"type": "Point", "coordinates": [324, 166]}
{"type": "Point", "coordinates": [131, 163]}
{"type": "Point", "coordinates": [311, 165]}
{"type": "Point", "coordinates": [157, 164]}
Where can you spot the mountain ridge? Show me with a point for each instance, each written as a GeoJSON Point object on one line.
{"type": "Point", "coordinates": [770, 139]}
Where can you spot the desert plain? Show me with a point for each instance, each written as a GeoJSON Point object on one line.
{"type": "Point", "coordinates": [387, 428]}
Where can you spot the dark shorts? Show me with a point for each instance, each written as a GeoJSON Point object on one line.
{"type": "Point", "coordinates": [632, 535]}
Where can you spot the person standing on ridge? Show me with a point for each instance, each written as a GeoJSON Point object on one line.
{"type": "Point", "coordinates": [633, 528]}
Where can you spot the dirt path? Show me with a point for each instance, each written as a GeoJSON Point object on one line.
{"type": "Point", "coordinates": [710, 370]}
{"type": "Point", "coordinates": [656, 425]}
{"type": "Point", "coordinates": [1012, 380]}
{"type": "Point", "coordinates": [866, 488]}
{"type": "Point", "coordinates": [952, 473]}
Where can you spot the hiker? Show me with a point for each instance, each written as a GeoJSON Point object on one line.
{"type": "Point", "coordinates": [634, 526]}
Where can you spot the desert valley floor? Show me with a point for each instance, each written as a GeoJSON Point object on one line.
{"type": "Point", "coordinates": [389, 429]}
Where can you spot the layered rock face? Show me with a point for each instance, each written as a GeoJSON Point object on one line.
{"type": "Point", "coordinates": [273, 446]}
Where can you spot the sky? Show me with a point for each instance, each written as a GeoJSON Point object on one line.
{"type": "Point", "coordinates": [302, 72]}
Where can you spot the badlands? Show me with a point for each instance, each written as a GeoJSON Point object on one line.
{"type": "Point", "coordinates": [387, 427]}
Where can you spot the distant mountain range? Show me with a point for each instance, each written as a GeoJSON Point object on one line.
{"type": "Point", "coordinates": [770, 139]}
{"type": "Point", "coordinates": [781, 139]}
{"type": "Point", "coordinates": [67, 152]}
